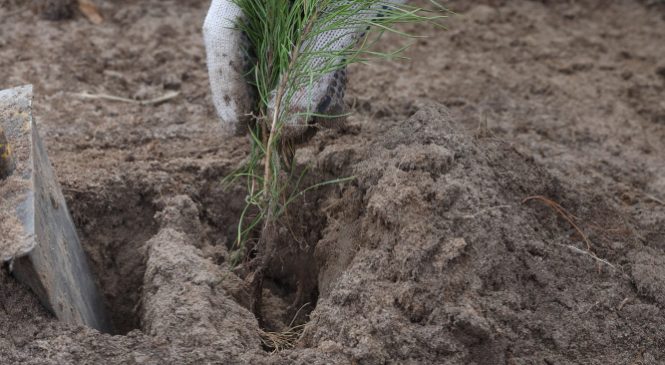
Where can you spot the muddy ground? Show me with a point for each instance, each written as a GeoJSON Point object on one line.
{"type": "Point", "coordinates": [430, 256]}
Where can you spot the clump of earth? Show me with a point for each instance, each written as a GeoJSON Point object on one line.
{"type": "Point", "coordinates": [507, 206]}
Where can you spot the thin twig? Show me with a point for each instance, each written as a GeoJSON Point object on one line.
{"type": "Point", "coordinates": [563, 213]}
{"type": "Point", "coordinates": [166, 97]}
{"type": "Point", "coordinates": [90, 11]}
{"type": "Point", "coordinates": [623, 303]}
{"type": "Point", "coordinates": [654, 199]}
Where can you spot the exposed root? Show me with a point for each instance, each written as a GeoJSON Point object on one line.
{"type": "Point", "coordinates": [283, 340]}
{"type": "Point", "coordinates": [266, 248]}
{"type": "Point", "coordinates": [563, 213]}
{"type": "Point", "coordinates": [570, 218]}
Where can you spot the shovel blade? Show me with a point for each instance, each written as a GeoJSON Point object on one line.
{"type": "Point", "coordinates": [37, 235]}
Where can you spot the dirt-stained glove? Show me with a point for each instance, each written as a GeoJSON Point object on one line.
{"type": "Point", "coordinates": [228, 63]}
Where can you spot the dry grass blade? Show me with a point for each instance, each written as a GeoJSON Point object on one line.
{"type": "Point", "coordinates": [563, 213]}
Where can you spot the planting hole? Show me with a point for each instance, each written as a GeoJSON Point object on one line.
{"type": "Point", "coordinates": [114, 225]}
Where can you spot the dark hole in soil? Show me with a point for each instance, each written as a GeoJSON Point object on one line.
{"type": "Point", "coordinates": [115, 221]}
{"type": "Point", "coordinates": [283, 302]}
{"type": "Point", "coordinates": [290, 288]}
{"type": "Point", "coordinates": [113, 224]}
{"type": "Point", "coordinates": [286, 306]}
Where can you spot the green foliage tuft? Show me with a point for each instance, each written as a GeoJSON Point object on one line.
{"type": "Point", "coordinates": [281, 35]}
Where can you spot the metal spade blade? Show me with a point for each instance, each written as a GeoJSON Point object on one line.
{"type": "Point", "coordinates": [37, 235]}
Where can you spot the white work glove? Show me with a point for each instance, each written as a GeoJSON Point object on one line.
{"type": "Point", "coordinates": [228, 65]}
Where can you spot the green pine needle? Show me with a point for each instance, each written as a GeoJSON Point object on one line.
{"type": "Point", "coordinates": [280, 34]}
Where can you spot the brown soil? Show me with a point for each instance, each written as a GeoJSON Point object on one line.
{"type": "Point", "coordinates": [429, 256]}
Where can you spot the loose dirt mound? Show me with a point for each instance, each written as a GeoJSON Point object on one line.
{"type": "Point", "coordinates": [430, 255]}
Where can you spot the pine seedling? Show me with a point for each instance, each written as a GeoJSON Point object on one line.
{"type": "Point", "coordinates": [285, 39]}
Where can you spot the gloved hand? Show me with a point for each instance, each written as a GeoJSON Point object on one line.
{"type": "Point", "coordinates": [228, 64]}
